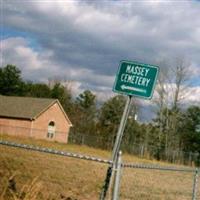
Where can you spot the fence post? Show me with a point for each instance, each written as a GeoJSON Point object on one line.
{"type": "Point", "coordinates": [117, 177]}
{"type": "Point", "coordinates": [195, 182]}
{"type": "Point", "coordinates": [107, 183]}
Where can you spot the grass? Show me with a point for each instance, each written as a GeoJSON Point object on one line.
{"type": "Point", "coordinates": [156, 185]}
{"type": "Point", "coordinates": [30, 175]}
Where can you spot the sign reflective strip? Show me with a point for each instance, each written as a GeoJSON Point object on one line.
{"type": "Point", "coordinates": [124, 87]}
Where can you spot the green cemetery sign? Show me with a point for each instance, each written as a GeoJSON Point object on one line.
{"type": "Point", "coordinates": [136, 79]}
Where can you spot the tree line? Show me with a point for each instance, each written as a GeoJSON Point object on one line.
{"type": "Point", "coordinates": [173, 135]}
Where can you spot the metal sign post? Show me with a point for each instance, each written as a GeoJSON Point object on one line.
{"type": "Point", "coordinates": [115, 152]}
{"type": "Point", "coordinates": [117, 177]}
{"type": "Point", "coordinates": [132, 79]}
{"type": "Point", "coordinates": [121, 129]}
{"type": "Point", "coordinates": [195, 182]}
{"type": "Point", "coordinates": [116, 149]}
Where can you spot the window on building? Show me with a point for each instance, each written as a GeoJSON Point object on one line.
{"type": "Point", "coordinates": [51, 130]}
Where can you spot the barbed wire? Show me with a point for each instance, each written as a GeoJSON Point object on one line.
{"type": "Point", "coordinates": [53, 151]}
{"type": "Point", "coordinates": [91, 158]}
{"type": "Point", "coordinates": [156, 167]}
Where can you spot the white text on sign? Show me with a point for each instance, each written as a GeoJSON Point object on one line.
{"type": "Point", "coordinates": [136, 75]}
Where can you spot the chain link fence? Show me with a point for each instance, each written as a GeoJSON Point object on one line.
{"type": "Point", "coordinates": [154, 152]}
{"type": "Point", "coordinates": [98, 141]}
{"type": "Point", "coordinates": [49, 176]}
{"type": "Point", "coordinates": [52, 171]}
{"type": "Point", "coordinates": [143, 182]}
{"type": "Point", "coordinates": [32, 172]}
{"type": "Point", "coordinates": [140, 150]}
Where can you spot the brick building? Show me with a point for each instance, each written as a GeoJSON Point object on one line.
{"type": "Point", "coordinates": [39, 118]}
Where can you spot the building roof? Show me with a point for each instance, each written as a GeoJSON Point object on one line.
{"type": "Point", "coordinates": [26, 107]}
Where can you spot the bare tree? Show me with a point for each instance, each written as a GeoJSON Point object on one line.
{"type": "Point", "coordinates": [161, 97]}
{"type": "Point", "coordinates": [161, 102]}
{"type": "Point", "coordinates": [171, 89]}
{"type": "Point", "coordinates": [180, 72]}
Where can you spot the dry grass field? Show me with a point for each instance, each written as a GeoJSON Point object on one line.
{"type": "Point", "coordinates": [30, 175]}
{"type": "Point", "coordinates": [156, 185]}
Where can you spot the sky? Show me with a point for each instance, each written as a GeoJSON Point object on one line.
{"type": "Point", "coordinates": [83, 42]}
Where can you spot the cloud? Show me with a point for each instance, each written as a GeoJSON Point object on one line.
{"type": "Point", "coordinates": [38, 66]}
{"type": "Point", "coordinates": [17, 51]}
{"type": "Point", "coordinates": [195, 70]}
{"type": "Point", "coordinates": [85, 40]}
{"type": "Point", "coordinates": [193, 97]}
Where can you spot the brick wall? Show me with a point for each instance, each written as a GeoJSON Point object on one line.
{"type": "Point", "coordinates": [38, 128]}
{"type": "Point", "coordinates": [15, 127]}
{"type": "Point", "coordinates": [62, 126]}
